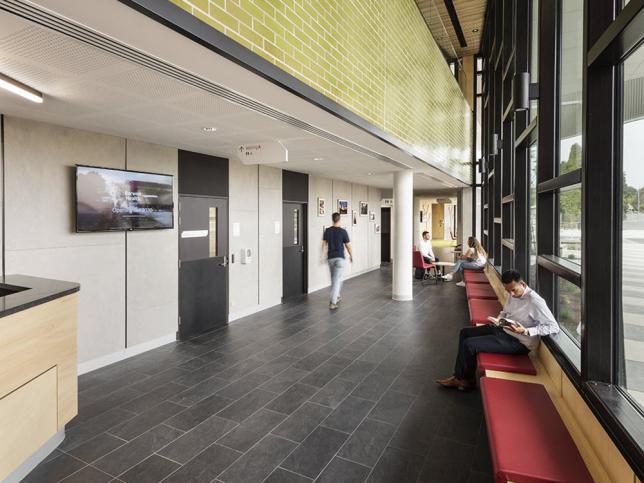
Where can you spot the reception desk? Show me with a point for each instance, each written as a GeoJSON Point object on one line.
{"type": "Point", "coordinates": [38, 365]}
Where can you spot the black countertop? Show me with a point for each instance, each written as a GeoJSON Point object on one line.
{"type": "Point", "coordinates": [21, 292]}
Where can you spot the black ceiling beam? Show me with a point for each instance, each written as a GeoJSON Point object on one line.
{"type": "Point", "coordinates": [449, 5]}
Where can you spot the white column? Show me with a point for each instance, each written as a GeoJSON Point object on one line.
{"type": "Point", "coordinates": [403, 233]}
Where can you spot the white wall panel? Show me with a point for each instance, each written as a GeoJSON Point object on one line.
{"type": "Point", "coordinates": [40, 230]}
{"type": "Point", "coordinates": [152, 268]}
{"type": "Point", "coordinates": [269, 254]}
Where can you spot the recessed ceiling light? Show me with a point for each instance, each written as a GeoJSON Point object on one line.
{"type": "Point", "coordinates": [318, 159]}
{"type": "Point", "coordinates": [209, 129]}
{"type": "Point", "coordinates": [17, 87]}
{"type": "Point", "coordinates": [369, 174]}
{"type": "Point", "coordinates": [475, 30]}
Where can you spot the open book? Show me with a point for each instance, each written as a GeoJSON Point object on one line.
{"type": "Point", "coordinates": [502, 322]}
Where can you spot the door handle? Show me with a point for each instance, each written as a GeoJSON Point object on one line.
{"type": "Point", "coordinates": [225, 262]}
{"type": "Point", "coordinates": [302, 249]}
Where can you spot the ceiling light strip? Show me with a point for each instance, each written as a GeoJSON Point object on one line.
{"type": "Point", "coordinates": [63, 26]}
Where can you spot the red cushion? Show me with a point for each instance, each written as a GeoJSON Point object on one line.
{"type": "Point", "coordinates": [528, 440]}
{"type": "Point", "coordinates": [475, 277]}
{"type": "Point", "coordinates": [481, 309]}
{"type": "Point", "coordinates": [480, 291]}
{"type": "Point", "coordinates": [521, 364]}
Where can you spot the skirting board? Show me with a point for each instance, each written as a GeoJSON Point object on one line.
{"type": "Point", "coordinates": [35, 459]}
{"type": "Point", "coordinates": [99, 362]}
{"type": "Point", "coordinates": [353, 275]}
{"type": "Point", "coordinates": [252, 310]}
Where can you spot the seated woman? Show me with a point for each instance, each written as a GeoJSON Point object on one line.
{"type": "Point", "coordinates": [474, 258]}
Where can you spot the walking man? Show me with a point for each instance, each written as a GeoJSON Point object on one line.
{"type": "Point", "coordinates": [336, 239]}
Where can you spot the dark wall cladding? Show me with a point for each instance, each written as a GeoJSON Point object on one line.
{"type": "Point", "coordinates": [295, 186]}
{"type": "Point", "coordinates": [202, 174]}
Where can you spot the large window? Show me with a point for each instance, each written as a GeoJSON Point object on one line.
{"type": "Point", "coordinates": [532, 213]}
{"type": "Point", "coordinates": [633, 224]}
{"type": "Point", "coordinates": [570, 89]}
{"type": "Point", "coordinates": [534, 54]}
{"type": "Point", "coordinates": [570, 224]}
{"type": "Point", "coordinates": [569, 309]}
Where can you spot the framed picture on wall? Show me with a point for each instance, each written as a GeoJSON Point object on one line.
{"type": "Point", "coordinates": [343, 207]}
{"type": "Point", "coordinates": [354, 217]}
{"type": "Point", "coordinates": [364, 208]}
{"type": "Point", "coordinates": [377, 228]}
{"type": "Point", "coordinates": [372, 216]}
{"type": "Point", "coordinates": [321, 207]}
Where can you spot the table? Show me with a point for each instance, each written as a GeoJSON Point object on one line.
{"type": "Point", "coordinates": [442, 265]}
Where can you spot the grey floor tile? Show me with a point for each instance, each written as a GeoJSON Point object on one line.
{"type": "Point", "coordinates": [302, 422]}
{"type": "Point", "coordinates": [54, 470]}
{"type": "Point", "coordinates": [132, 453]}
{"type": "Point", "coordinates": [89, 410]}
{"type": "Point", "coordinates": [447, 461]}
{"type": "Point", "coordinates": [284, 380]}
{"type": "Point", "coordinates": [315, 452]}
{"type": "Point", "coordinates": [396, 465]}
{"type": "Point", "coordinates": [276, 366]}
{"type": "Point", "coordinates": [152, 470]}
{"type": "Point", "coordinates": [334, 392]}
{"type": "Point", "coordinates": [367, 442]}
{"type": "Point", "coordinates": [312, 361]}
{"type": "Point", "coordinates": [199, 375]}
{"type": "Point", "coordinates": [247, 405]}
{"type": "Point", "coordinates": [461, 424]}
{"type": "Point", "coordinates": [476, 477]}
{"type": "Point", "coordinates": [349, 414]}
{"type": "Point", "coordinates": [418, 428]}
{"type": "Point", "coordinates": [327, 371]}
{"type": "Point", "coordinates": [252, 430]}
{"type": "Point", "coordinates": [343, 471]}
{"type": "Point", "coordinates": [88, 474]}
{"type": "Point", "coordinates": [164, 377]}
{"type": "Point", "coordinates": [292, 398]}
{"type": "Point", "coordinates": [392, 407]}
{"type": "Point", "coordinates": [97, 447]}
{"type": "Point", "coordinates": [241, 369]}
{"type": "Point", "coordinates": [206, 466]}
{"type": "Point", "coordinates": [197, 439]}
{"type": "Point", "coordinates": [373, 387]}
{"type": "Point", "coordinates": [189, 418]}
{"type": "Point", "coordinates": [92, 428]}
{"type": "Point", "coordinates": [357, 371]}
{"type": "Point", "coordinates": [242, 386]}
{"type": "Point", "coordinates": [146, 420]}
{"type": "Point", "coordinates": [193, 395]}
{"type": "Point", "coordinates": [280, 475]}
{"type": "Point", "coordinates": [156, 396]}
{"type": "Point", "coordinates": [259, 462]}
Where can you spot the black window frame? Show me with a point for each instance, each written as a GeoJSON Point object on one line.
{"type": "Point", "coordinates": [610, 34]}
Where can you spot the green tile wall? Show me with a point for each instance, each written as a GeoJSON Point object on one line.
{"type": "Point", "coordinates": [374, 57]}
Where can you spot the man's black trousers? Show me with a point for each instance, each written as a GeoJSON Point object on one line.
{"type": "Point", "coordinates": [483, 338]}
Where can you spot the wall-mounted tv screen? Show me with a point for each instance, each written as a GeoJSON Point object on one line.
{"type": "Point", "coordinates": [112, 200]}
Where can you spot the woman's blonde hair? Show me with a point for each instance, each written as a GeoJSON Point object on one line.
{"type": "Point", "coordinates": [473, 242]}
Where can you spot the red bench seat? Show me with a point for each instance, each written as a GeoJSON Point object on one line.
{"type": "Point", "coordinates": [528, 440]}
{"type": "Point", "coordinates": [517, 363]}
{"type": "Point", "coordinates": [480, 291]}
{"type": "Point", "coordinates": [470, 276]}
{"type": "Point", "coordinates": [481, 309]}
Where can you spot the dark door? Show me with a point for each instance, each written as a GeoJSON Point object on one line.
{"type": "Point", "coordinates": [294, 243]}
{"type": "Point", "coordinates": [203, 264]}
{"type": "Point", "coordinates": [385, 235]}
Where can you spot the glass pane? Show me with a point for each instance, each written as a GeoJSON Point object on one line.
{"type": "Point", "coordinates": [212, 231]}
{"type": "Point", "coordinates": [570, 95]}
{"type": "Point", "coordinates": [296, 227]}
{"type": "Point", "coordinates": [534, 42]}
{"type": "Point", "coordinates": [569, 309]}
{"type": "Point", "coordinates": [570, 224]}
{"type": "Point", "coordinates": [633, 224]}
{"type": "Point", "coordinates": [479, 83]}
{"type": "Point", "coordinates": [532, 236]}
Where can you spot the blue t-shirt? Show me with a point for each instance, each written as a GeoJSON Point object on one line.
{"type": "Point", "coordinates": [336, 237]}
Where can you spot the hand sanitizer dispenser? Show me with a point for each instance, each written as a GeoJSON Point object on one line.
{"type": "Point", "coordinates": [246, 256]}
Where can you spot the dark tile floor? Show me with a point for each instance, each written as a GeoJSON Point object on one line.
{"type": "Point", "coordinates": [295, 393]}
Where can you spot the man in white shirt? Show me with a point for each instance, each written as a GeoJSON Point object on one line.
{"type": "Point", "coordinates": [425, 248]}
{"type": "Point", "coordinates": [528, 318]}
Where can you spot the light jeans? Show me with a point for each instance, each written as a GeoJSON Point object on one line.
{"type": "Point", "coordinates": [462, 265]}
{"type": "Point", "coordinates": [336, 267]}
